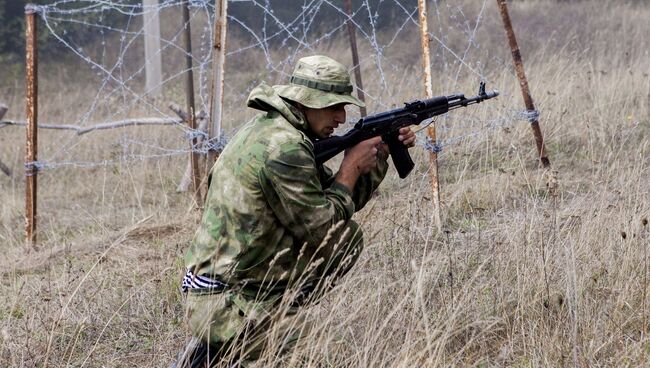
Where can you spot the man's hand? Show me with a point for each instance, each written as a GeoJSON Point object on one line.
{"type": "Point", "coordinates": [406, 136]}
{"type": "Point", "coordinates": [357, 161]}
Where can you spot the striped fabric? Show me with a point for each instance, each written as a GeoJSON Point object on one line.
{"type": "Point", "coordinates": [201, 283]}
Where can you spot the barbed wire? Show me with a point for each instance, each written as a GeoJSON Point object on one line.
{"type": "Point", "coordinates": [280, 40]}
{"type": "Point", "coordinates": [218, 144]}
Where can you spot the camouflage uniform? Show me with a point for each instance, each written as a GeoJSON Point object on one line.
{"type": "Point", "coordinates": [268, 213]}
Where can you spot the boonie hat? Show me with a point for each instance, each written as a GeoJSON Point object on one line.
{"type": "Point", "coordinates": [317, 82]}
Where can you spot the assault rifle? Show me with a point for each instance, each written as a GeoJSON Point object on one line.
{"type": "Point", "coordinates": [387, 125]}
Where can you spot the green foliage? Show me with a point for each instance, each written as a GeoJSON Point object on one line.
{"type": "Point", "coordinates": [12, 28]}
{"type": "Point", "coordinates": [289, 12]}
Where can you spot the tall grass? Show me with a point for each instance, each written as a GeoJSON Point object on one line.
{"type": "Point", "coordinates": [522, 275]}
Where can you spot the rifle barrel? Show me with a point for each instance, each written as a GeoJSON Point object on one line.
{"type": "Point", "coordinates": [461, 101]}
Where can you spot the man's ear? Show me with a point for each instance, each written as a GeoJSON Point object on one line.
{"type": "Point", "coordinates": [302, 108]}
{"type": "Point", "coordinates": [294, 104]}
{"type": "Point", "coordinates": [298, 106]}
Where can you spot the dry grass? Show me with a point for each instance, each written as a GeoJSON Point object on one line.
{"type": "Point", "coordinates": [521, 276]}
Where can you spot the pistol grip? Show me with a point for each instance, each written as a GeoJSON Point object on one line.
{"type": "Point", "coordinates": [400, 154]}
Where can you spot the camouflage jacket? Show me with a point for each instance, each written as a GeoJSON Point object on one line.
{"type": "Point", "coordinates": [268, 199]}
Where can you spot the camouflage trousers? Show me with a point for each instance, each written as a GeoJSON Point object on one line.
{"type": "Point", "coordinates": [235, 330]}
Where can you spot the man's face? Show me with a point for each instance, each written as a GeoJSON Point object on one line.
{"type": "Point", "coordinates": [323, 121]}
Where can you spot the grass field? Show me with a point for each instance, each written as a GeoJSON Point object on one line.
{"type": "Point", "coordinates": [534, 268]}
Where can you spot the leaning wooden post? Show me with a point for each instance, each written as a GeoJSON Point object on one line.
{"type": "Point", "coordinates": [218, 67]}
{"type": "Point", "coordinates": [4, 168]}
{"type": "Point", "coordinates": [355, 56]}
{"type": "Point", "coordinates": [533, 115]}
{"type": "Point", "coordinates": [31, 146]}
{"type": "Point", "coordinates": [3, 110]}
{"type": "Point", "coordinates": [431, 130]}
{"type": "Point", "coordinates": [189, 93]}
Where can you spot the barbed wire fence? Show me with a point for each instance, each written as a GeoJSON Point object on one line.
{"type": "Point", "coordinates": [264, 43]}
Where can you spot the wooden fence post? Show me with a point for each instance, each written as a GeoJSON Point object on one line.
{"type": "Point", "coordinates": [431, 130]}
{"type": "Point", "coordinates": [218, 74]}
{"type": "Point", "coordinates": [189, 93]}
{"type": "Point", "coordinates": [355, 56]}
{"type": "Point", "coordinates": [31, 145]}
{"type": "Point", "coordinates": [523, 83]}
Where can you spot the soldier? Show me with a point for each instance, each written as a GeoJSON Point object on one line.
{"type": "Point", "coordinates": [277, 230]}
